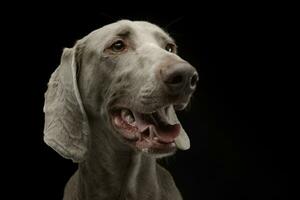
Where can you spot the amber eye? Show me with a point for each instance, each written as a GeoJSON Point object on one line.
{"type": "Point", "coordinates": [170, 48]}
{"type": "Point", "coordinates": [118, 46]}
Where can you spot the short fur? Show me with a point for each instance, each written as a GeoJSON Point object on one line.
{"type": "Point", "coordinates": [90, 81]}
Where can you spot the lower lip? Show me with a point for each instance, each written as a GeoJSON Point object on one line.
{"type": "Point", "coordinates": [158, 145]}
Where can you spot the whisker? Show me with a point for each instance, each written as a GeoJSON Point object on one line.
{"type": "Point", "coordinates": [176, 20]}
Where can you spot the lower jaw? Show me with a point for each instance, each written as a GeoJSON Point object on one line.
{"type": "Point", "coordinates": [159, 154]}
{"type": "Point", "coordinates": [157, 151]}
{"type": "Point", "coordinates": [139, 139]}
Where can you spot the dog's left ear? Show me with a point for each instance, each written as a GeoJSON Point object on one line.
{"type": "Point", "coordinates": [66, 126]}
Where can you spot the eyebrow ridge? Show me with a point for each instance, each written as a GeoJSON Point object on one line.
{"type": "Point", "coordinates": [163, 37]}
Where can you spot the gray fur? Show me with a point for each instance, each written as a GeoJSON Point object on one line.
{"type": "Point", "coordinates": [88, 83]}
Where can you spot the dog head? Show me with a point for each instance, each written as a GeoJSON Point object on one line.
{"type": "Point", "coordinates": [128, 76]}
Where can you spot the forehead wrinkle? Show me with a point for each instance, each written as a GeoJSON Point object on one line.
{"type": "Point", "coordinates": [124, 31]}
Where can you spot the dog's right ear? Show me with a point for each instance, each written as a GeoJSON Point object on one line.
{"type": "Point", "coordinates": [66, 127]}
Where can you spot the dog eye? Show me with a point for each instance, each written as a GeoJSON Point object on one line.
{"type": "Point", "coordinates": [170, 48]}
{"type": "Point", "coordinates": [118, 46]}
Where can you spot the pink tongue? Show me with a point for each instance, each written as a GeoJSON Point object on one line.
{"type": "Point", "coordinates": [165, 133]}
{"type": "Point", "coordinates": [168, 133]}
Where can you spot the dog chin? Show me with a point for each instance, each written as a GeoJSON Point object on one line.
{"type": "Point", "coordinates": [159, 153]}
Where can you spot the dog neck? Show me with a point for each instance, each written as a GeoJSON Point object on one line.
{"type": "Point", "coordinates": [113, 170]}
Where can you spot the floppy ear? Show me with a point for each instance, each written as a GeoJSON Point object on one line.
{"type": "Point", "coordinates": [182, 141]}
{"type": "Point", "coordinates": [66, 127]}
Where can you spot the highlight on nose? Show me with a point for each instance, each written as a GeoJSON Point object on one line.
{"type": "Point", "coordinates": [179, 78]}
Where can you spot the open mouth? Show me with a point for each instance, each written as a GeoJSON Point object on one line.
{"type": "Point", "coordinates": [152, 132]}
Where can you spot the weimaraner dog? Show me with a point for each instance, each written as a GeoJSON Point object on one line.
{"type": "Point", "coordinates": [110, 106]}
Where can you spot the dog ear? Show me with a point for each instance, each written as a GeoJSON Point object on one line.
{"type": "Point", "coordinates": [66, 127]}
{"type": "Point", "coordinates": [182, 141]}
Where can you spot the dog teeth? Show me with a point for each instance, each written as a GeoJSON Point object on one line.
{"type": "Point", "coordinates": [117, 121]}
{"type": "Point", "coordinates": [127, 116]}
{"type": "Point", "coordinates": [145, 150]}
{"type": "Point", "coordinates": [155, 138]}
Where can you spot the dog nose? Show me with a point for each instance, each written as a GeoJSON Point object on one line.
{"type": "Point", "coordinates": [180, 78]}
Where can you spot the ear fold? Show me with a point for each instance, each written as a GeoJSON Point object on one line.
{"type": "Point", "coordinates": [182, 141]}
{"type": "Point", "coordinates": [66, 127]}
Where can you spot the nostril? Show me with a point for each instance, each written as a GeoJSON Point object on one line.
{"type": "Point", "coordinates": [176, 80]}
{"type": "Point", "coordinates": [180, 78]}
{"type": "Point", "coordinates": [194, 80]}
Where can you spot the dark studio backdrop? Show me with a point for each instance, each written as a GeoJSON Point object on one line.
{"type": "Point", "coordinates": [237, 150]}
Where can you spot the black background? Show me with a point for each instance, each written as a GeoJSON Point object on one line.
{"type": "Point", "coordinates": [240, 146]}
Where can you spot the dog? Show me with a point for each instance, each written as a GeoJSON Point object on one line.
{"type": "Point", "coordinates": [110, 107]}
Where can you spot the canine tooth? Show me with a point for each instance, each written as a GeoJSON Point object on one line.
{"type": "Point", "coordinates": [148, 140]}
{"type": "Point", "coordinates": [145, 150]}
{"type": "Point", "coordinates": [129, 119]}
{"type": "Point", "coordinates": [152, 132]}
{"type": "Point", "coordinates": [155, 138]}
{"type": "Point", "coordinates": [117, 121]}
{"type": "Point", "coordinates": [127, 116]}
